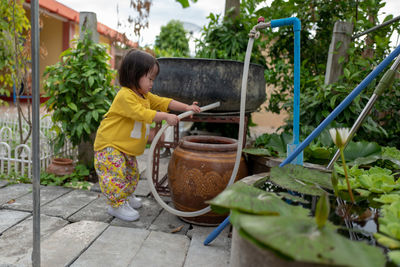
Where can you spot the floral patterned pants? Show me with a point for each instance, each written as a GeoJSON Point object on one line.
{"type": "Point", "coordinates": [118, 174]}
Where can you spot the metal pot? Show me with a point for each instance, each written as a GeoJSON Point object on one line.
{"type": "Point", "coordinates": [208, 81]}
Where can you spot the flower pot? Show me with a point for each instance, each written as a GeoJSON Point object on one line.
{"type": "Point", "coordinates": [199, 169]}
{"type": "Point", "coordinates": [61, 166]}
{"type": "Point", "coordinates": [244, 253]}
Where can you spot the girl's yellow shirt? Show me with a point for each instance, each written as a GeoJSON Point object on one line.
{"type": "Point", "coordinates": [126, 125]}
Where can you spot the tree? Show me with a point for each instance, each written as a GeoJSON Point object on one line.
{"type": "Point", "coordinates": [172, 40]}
{"type": "Point", "coordinates": [227, 37]}
{"type": "Point", "coordinates": [13, 28]}
{"type": "Point", "coordinates": [142, 10]}
{"type": "Point", "coordinates": [14, 56]}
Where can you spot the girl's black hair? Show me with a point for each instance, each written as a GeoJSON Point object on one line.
{"type": "Point", "coordinates": [134, 65]}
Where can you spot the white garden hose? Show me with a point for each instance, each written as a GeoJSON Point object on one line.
{"type": "Point", "coordinates": [188, 113]}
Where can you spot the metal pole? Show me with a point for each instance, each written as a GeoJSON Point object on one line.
{"type": "Point", "coordinates": [35, 131]}
{"type": "Point", "coordinates": [375, 27]}
{"type": "Point", "coordinates": [384, 83]}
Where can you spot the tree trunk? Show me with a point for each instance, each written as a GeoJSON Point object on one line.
{"type": "Point", "coordinates": [232, 4]}
{"type": "Point", "coordinates": [87, 20]}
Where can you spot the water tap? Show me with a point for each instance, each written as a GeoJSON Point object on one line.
{"type": "Point", "coordinates": [261, 24]}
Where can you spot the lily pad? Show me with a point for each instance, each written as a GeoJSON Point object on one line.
{"type": "Point", "coordinates": [395, 256]}
{"type": "Point", "coordinates": [257, 151]}
{"type": "Point", "coordinates": [301, 180]}
{"type": "Point", "coordinates": [355, 150]}
{"type": "Point", "coordinates": [293, 198]}
{"type": "Point", "coordinates": [250, 199]}
{"type": "Point", "coordinates": [300, 239]}
{"type": "Point", "coordinates": [387, 241]}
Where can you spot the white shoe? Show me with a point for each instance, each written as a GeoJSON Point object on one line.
{"type": "Point", "coordinates": [124, 212]}
{"type": "Point", "coordinates": [135, 202]}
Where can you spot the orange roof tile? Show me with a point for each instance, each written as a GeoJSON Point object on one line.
{"type": "Point", "coordinates": [57, 8]}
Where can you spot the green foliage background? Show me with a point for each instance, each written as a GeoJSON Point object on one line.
{"type": "Point", "coordinates": [227, 39]}
{"type": "Point", "coordinates": [317, 99]}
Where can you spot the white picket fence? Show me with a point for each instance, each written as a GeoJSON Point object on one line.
{"type": "Point", "coordinates": [16, 158]}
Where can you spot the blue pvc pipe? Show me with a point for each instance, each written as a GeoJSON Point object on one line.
{"type": "Point", "coordinates": [296, 103]}
{"type": "Point", "coordinates": [216, 231]}
{"type": "Point", "coordinates": [342, 105]}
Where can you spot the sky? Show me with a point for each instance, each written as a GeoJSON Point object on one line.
{"type": "Point", "coordinates": [162, 11]}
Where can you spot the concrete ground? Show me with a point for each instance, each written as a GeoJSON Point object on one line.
{"type": "Point", "coordinates": [77, 231]}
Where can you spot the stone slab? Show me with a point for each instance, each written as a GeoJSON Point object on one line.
{"type": "Point", "coordinates": [168, 223]}
{"type": "Point", "coordinates": [148, 213]}
{"type": "Point", "coordinates": [115, 247]}
{"type": "Point", "coordinates": [47, 194]}
{"type": "Point", "coordinates": [67, 244]}
{"type": "Point", "coordinates": [69, 203]}
{"type": "Point", "coordinates": [216, 254]}
{"type": "Point", "coordinates": [3, 183]}
{"type": "Point", "coordinates": [95, 211]}
{"type": "Point", "coordinates": [16, 242]}
{"type": "Point", "coordinates": [12, 192]}
{"type": "Point", "coordinates": [96, 188]}
{"type": "Point", "coordinates": [142, 161]}
{"type": "Point", "coordinates": [162, 250]}
{"type": "Point", "coordinates": [10, 217]}
{"type": "Point", "coordinates": [142, 189]}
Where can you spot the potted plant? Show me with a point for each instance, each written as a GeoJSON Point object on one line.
{"type": "Point", "coordinates": [270, 232]}
{"type": "Point", "coordinates": [80, 91]}
{"type": "Point", "coordinates": [268, 229]}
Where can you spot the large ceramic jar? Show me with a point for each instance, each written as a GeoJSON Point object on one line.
{"type": "Point", "coordinates": [199, 169]}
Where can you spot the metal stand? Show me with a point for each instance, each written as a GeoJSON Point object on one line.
{"type": "Point", "coordinates": [160, 183]}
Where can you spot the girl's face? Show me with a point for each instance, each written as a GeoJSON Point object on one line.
{"type": "Point", "coordinates": [146, 81]}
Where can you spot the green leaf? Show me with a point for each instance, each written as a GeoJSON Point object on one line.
{"type": "Point", "coordinates": [73, 107]}
{"type": "Point", "coordinates": [184, 3]}
{"type": "Point", "coordinates": [257, 151]}
{"type": "Point", "coordinates": [322, 210]}
{"type": "Point", "coordinates": [356, 150]}
{"type": "Point", "coordinates": [346, 72]}
{"type": "Point", "coordinates": [300, 179]}
{"type": "Point", "coordinates": [250, 199]}
{"type": "Point", "coordinates": [395, 256]}
{"type": "Point", "coordinates": [91, 81]}
{"type": "Point", "coordinates": [387, 241]}
{"type": "Point", "coordinates": [95, 115]}
{"type": "Point", "coordinates": [87, 129]}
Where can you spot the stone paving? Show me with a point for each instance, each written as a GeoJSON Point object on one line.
{"type": "Point", "coordinates": [77, 231]}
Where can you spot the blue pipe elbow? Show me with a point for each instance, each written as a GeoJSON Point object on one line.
{"type": "Point", "coordinates": [287, 22]}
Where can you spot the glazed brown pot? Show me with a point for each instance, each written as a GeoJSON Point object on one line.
{"type": "Point", "coordinates": [61, 166]}
{"type": "Point", "coordinates": [199, 169]}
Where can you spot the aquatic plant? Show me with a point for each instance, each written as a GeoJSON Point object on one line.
{"type": "Point", "coordinates": [339, 137]}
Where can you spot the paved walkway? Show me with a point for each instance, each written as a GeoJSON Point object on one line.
{"type": "Point", "coordinates": [77, 231]}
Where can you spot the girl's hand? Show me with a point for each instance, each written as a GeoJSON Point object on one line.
{"type": "Point", "coordinates": [172, 119]}
{"type": "Point", "coordinates": [194, 107]}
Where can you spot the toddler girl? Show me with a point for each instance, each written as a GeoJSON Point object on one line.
{"type": "Point", "coordinates": [124, 130]}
